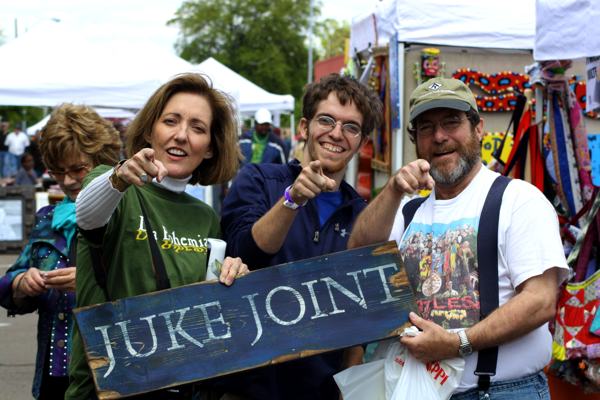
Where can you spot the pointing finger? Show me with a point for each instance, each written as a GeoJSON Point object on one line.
{"type": "Point", "coordinates": [316, 167]}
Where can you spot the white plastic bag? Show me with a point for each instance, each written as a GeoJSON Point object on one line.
{"type": "Point", "coordinates": [402, 376]}
{"type": "Point", "coordinates": [416, 380]}
{"type": "Point", "coordinates": [361, 382]}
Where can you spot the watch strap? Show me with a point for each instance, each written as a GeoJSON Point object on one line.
{"type": "Point", "coordinates": [116, 181]}
{"type": "Point", "coordinates": [465, 348]}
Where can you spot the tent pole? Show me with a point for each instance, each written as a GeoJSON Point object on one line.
{"type": "Point", "coordinates": [398, 133]}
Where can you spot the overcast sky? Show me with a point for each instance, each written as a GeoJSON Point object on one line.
{"type": "Point", "coordinates": [133, 20]}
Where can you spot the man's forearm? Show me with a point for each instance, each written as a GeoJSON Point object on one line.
{"type": "Point", "coordinates": [533, 306]}
{"type": "Point", "coordinates": [375, 223]}
{"type": "Point", "coordinates": [270, 231]}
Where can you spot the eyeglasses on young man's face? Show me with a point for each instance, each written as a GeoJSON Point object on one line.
{"type": "Point", "coordinates": [75, 172]}
{"type": "Point", "coordinates": [448, 124]}
{"type": "Point", "coordinates": [327, 124]}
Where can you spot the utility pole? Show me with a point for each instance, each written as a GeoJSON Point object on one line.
{"type": "Point", "coordinates": [16, 29]}
{"type": "Point", "coordinates": [310, 42]}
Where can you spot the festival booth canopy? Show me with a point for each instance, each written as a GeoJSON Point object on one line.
{"type": "Point", "coordinates": [566, 29]}
{"type": "Point", "coordinates": [53, 63]}
{"type": "Point", "coordinates": [491, 30]}
{"type": "Point", "coordinates": [109, 113]}
{"type": "Point", "coordinates": [508, 24]}
{"type": "Point", "coordinates": [250, 96]}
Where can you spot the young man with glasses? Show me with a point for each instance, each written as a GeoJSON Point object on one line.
{"type": "Point", "coordinates": [275, 214]}
{"type": "Point", "coordinates": [453, 289]}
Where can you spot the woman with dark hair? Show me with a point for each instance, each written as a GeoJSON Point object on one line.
{"type": "Point", "coordinates": [186, 133]}
{"type": "Point", "coordinates": [75, 140]}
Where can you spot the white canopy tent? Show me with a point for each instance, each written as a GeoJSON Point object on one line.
{"type": "Point", "coordinates": [508, 24]}
{"type": "Point", "coordinates": [250, 96]}
{"type": "Point", "coordinates": [54, 63]}
{"type": "Point", "coordinates": [485, 24]}
{"type": "Point", "coordinates": [103, 112]}
{"type": "Point", "coordinates": [567, 29]}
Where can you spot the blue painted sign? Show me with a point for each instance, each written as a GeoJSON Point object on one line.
{"type": "Point", "coordinates": [276, 314]}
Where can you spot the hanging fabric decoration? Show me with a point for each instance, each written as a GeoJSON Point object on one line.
{"type": "Point", "coordinates": [563, 154]}
{"type": "Point", "coordinates": [502, 87]}
{"type": "Point", "coordinates": [582, 152]}
{"type": "Point", "coordinates": [580, 88]}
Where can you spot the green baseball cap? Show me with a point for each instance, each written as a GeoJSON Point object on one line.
{"type": "Point", "coordinates": [441, 93]}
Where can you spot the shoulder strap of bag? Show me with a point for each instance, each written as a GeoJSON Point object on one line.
{"type": "Point", "coordinates": [410, 208]}
{"type": "Point", "coordinates": [160, 272]}
{"type": "Point", "coordinates": [95, 240]}
{"type": "Point", "coordinates": [487, 258]}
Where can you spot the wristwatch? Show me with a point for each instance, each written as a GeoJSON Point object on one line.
{"type": "Point", "coordinates": [116, 181]}
{"type": "Point", "coordinates": [289, 202]}
{"type": "Point", "coordinates": [465, 348]}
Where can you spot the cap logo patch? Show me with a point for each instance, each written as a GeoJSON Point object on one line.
{"type": "Point", "coordinates": [435, 86]}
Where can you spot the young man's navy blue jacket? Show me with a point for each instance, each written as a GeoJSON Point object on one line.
{"type": "Point", "coordinates": [275, 150]}
{"type": "Point", "coordinates": [254, 192]}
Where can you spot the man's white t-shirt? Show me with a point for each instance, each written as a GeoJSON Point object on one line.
{"type": "Point", "coordinates": [17, 143]}
{"type": "Point", "coordinates": [439, 250]}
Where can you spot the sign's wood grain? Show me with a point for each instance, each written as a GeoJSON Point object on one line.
{"type": "Point", "coordinates": [199, 331]}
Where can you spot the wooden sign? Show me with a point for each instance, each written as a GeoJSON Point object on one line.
{"type": "Point", "coordinates": [275, 314]}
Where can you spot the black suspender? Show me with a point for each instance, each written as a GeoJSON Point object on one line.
{"type": "Point", "coordinates": [487, 259]}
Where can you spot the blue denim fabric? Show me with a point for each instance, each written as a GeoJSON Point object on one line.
{"type": "Point", "coordinates": [531, 387]}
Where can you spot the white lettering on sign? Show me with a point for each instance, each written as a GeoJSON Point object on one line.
{"type": "Point", "coordinates": [215, 327]}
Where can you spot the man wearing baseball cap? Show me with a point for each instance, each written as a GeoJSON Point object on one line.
{"type": "Point", "coordinates": [504, 267]}
{"type": "Point", "coordinates": [261, 145]}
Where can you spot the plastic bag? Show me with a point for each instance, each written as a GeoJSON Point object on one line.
{"type": "Point", "coordinates": [402, 376]}
{"type": "Point", "coordinates": [433, 380]}
{"type": "Point", "coordinates": [360, 382]}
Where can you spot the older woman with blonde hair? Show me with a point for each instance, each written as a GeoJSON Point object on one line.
{"type": "Point", "coordinates": [74, 141]}
{"type": "Point", "coordinates": [138, 215]}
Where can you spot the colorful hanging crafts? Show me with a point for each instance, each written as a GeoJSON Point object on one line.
{"type": "Point", "coordinates": [580, 90]}
{"type": "Point", "coordinates": [489, 144]}
{"type": "Point", "coordinates": [430, 65]}
{"type": "Point", "coordinates": [501, 87]}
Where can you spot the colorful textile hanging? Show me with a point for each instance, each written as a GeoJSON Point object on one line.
{"type": "Point", "coordinates": [503, 88]}
{"type": "Point", "coordinates": [582, 152]}
{"type": "Point", "coordinates": [565, 164]}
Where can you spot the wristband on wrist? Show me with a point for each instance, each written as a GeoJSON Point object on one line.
{"type": "Point", "coordinates": [116, 181]}
{"type": "Point", "coordinates": [289, 202]}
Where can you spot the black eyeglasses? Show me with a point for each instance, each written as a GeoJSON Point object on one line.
{"type": "Point", "coordinates": [448, 125]}
{"type": "Point", "coordinates": [76, 172]}
{"type": "Point", "coordinates": [327, 124]}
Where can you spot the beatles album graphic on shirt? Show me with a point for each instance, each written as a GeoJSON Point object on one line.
{"type": "Point", "coordinates": [441, 261]}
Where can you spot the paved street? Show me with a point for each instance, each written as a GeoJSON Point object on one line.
{"type": "Point", "coordinates": [17, 348]}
